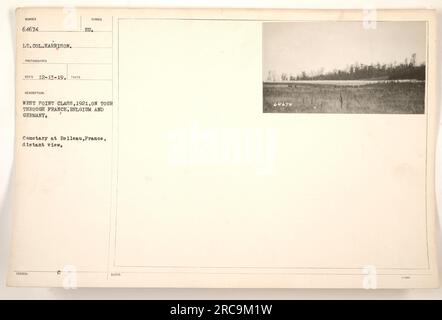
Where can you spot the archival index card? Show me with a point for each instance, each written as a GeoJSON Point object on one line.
{"type": "Point", "coordinates": [224, 148]}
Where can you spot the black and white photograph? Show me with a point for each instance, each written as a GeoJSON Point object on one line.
{"type": "Point", "coordinates": [216, 154]}
{"type": "Point", "coordinates": [344, 67]}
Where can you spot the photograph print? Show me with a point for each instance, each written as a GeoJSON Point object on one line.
{"type": "Point", "coordinates": [342, 67]}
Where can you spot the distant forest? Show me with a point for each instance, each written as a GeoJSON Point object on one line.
{"type": "Point", "coordinates": [358, 71]}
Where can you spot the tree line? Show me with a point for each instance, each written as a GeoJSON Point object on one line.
{"type": "Point", "coordinates": [408, 69]}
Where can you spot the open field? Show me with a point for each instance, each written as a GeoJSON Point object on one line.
{"type": "Point", "coordinates": [341, 97]}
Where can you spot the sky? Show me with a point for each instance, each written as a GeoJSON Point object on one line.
{"type": "Point", "coordinates": [293, 47]}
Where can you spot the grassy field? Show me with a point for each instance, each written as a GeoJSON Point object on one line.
{"type": "Point", "coordinates": [335, 98]}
